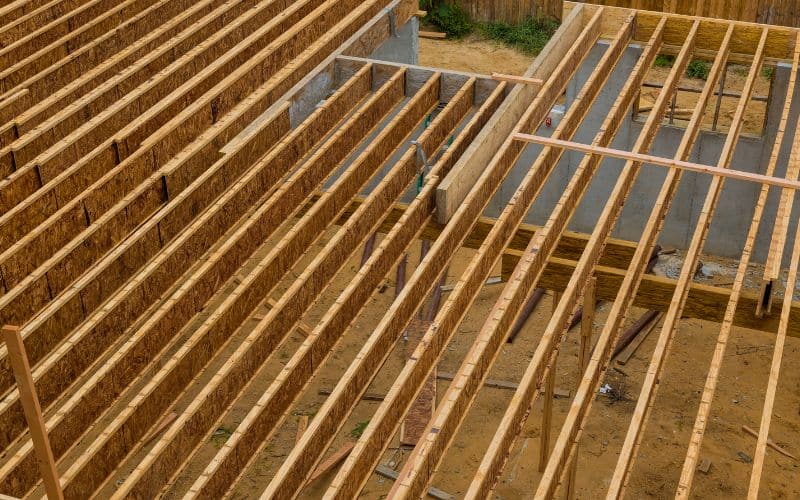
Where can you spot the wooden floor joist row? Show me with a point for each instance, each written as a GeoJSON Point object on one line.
{"type": "Point", "coordinates": [183, 184]}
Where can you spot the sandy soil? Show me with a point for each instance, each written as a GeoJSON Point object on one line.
{"type": "Point", "coordinates": [472, 54]}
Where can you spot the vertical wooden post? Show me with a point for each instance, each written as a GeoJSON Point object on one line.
{"type": "Point", "coordinates": [547, 408]}
{"type": "Point", "coordinates": [587, 322]}
{"type": "Point", "coordinates": [589, 301]}
{"type": "Point", "coordinates": [33, 412]}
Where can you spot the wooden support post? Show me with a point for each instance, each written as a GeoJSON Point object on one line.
{"type": "Point", "coordinates": [587, 323]}
{"type": "Point", "coordinates": [547, 412]}
{"type": "Point", "coordinates": [33, 412]}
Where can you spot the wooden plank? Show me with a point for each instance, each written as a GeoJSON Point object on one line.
{"type": "Point", "coordinates": [185, 302]}
{"type": "Point", "coordinates": [358, 466]}
{"type": "Point", "coordinates": [88, 68]}
{"type": "Point", "coordinates": [331, 461]}
{"type": "Point", "coordinates": [434, 35]}
{"type": "Point", "coordinates": [235, 309]}
{"type": "Point", "coordinates": [492, 335]}
{"type": "Point", "coordinates": [774, 375]}
{"type": "Point", "coordinates": [262, 421]}
{"type": "Point", "coordinates": [501, 77]}
{"type": "Point", "coordinates": [744, 44]}
{"type": "Point", "coordinates": [568, 437]}
{"type": "Point", "coordinates": [457, 184]}
{"type": "Point", "coordinates": [388, 473]}
{"type": "Point", "coordinates": [678, 301]}
{"type": "Point", "coordinates": [33, 412]}
{"type": "Point", "coordinates": [788, 184]}
{"type": "Point", "coordinates": [715, 367]}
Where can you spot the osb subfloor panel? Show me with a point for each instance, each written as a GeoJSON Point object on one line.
{"type": "Point", "coordinates": [657, 468]}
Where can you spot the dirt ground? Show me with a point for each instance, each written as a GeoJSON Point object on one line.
{"type": "Point", "coordinates": [472, 54]}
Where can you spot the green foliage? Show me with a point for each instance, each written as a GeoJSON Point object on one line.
{"type": "Point", "coordinates": [768, 72]}
{"type": "Point", "coordinates": [664, 61]}
{"type": "Point", "coordinates": [451, 19]}
{"type": "Point", "coordinates": [698, 69]}
{"type": "Point", "coordinates": [530, 37]}
{"type": "Point", "coordinates": [358, 430]}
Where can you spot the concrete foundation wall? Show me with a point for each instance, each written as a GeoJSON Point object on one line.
{"type": "Point", "coordinates": [733, 215]}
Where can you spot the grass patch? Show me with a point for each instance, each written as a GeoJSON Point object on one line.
{"type": "Point", "coordinates": [359, 429]}
{"type": "Point", "coordinates": [698, 69]}
{"type": "Point", "coordinates": [529, 37]}
{"type": "Point", "coordinates": [664, 61]}
{"type": "Point", "coordinates": [768, 72]}
{"type": "Point", "coordinates": [451, 19]}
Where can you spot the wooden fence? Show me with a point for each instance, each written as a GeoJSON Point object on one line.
{"type": "Point", "coordinates": [778, 12]}
{"type": "Point", "coordinates": [510, 11]}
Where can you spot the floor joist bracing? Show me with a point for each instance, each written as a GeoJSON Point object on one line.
{"type": "Point", "coordinates": [212, 210]}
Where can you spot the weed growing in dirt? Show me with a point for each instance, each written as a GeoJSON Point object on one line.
{"type": "Point", "coordinates": [768, 72]}
{"type": "Point", "coordinates": [530, 37]}
{"type": "Point", "coordinates": [698, 69]}
{"type": "Point", "coordinates": [358, 430]}
{"type": "Point", "coordinates": [664, 61]}
{"type": "Point", "coordinates": [452, 19]}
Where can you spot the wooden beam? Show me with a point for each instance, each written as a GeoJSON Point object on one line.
{"type": "Point", "coordinates": [678, 301]}
{"type": "Point", "coordinates": [263, 419]}
{"type": "Point", "coordinates": [529, 270]}
{"type": "Point", "coordinates": [715, 367]}
{"type": "Point", "coordinates": [744, 44]}
{"type": "Point", "coordinates": [33, 412]}
{"type": "Point", "coordinates": [245, 299]}
{"type": "Point", "coordinates": [774, 375]}
{"type": "Point", "coordinates": [789, 185]}
{"type": "Point", "coordinates": [458, 183]}
{"type": "Point", "coordinates": [501, 77]}
{"type": "Point", "coordinates": [570, 433]}
{"type": "Point", "coordinates": [417, 369]}
{"type": "Point", "coordinates": [168, 319]}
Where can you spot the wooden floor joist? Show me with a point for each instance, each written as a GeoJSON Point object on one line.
{"type": "Point", "coordinates": [375, 438]}
{"type": "Point", "coordinates": [715, 367]}
{"type": "Point", "coordinates": [186, 187]}
{"type": "Point", "coordinates": [673, 315]}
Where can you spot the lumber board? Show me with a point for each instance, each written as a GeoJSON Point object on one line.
{"type": "Point", "coordinates": [593, 373]}
{"type": "Point", "coordinates": [248, 235]}
{"type": "Point", "coordinates": [139, 165]}
{"type": "Point", "coordinates": [14, 10]}
{"type": "Point", "coordinates": [33, 412]}
{"type": "Point", "coordinates": [230, 462]}
{"type": "Point", "coordinates": [86, 473]}
{"type": "Point", "coordinates": [769, 180]}
{"type": "Point", "coordinates": [715, 366]}
{"type": "Point", "coordinates": [208, 71]}
{"type": "Point", "coordinates": [457, 184]}
{"type": "Point", "coordinates": [95, 13]}
{"type": "Point", "coordinates": [40, 16]}
{"type": "Point", "coordinates": [144, 36]}
{"type": "Point", "coordinates": [774, 375]}
{"type": "Point", "coordinates": [779, 45]}
{"type": "Point", "coordinates": [462, 391]}
{"type": "Point", "coordinates": [678, 299]}
{"type": "Point", "coordinates": [242, 365]}
{"type": "Point", "coordinates": [109, 29]}
{"type": "Point", "coordinates": [348, 482]}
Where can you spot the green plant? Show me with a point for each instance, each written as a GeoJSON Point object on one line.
{"type": "Point", "coordinates": [530, 36]}
{"type": "Point", "coordinates": [452, 19]}
{"type": "Point", "coordinates": [664, 61]}
{"type": "Point", "coordinates": [698, 69]}
{"type": "Point", "coordinates": [768, 72]}
{"type": "Point", "coordinates": [358, 430]}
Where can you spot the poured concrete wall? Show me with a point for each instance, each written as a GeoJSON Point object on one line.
{"type": "Point", "coordinates": [733, 215]}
